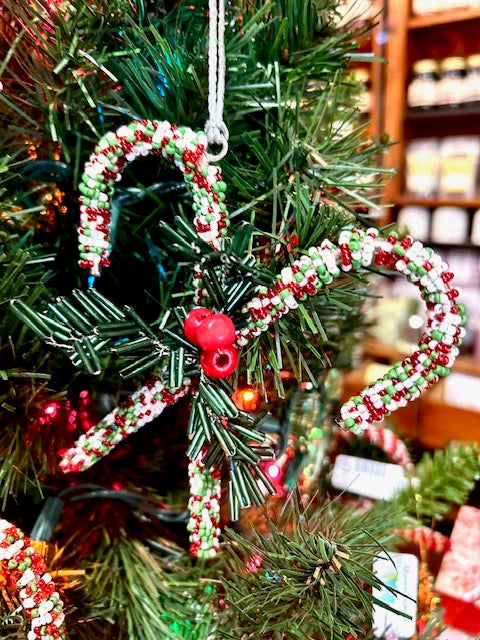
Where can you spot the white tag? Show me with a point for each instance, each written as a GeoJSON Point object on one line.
{"type": "Point", "coordinates": [369, 478]}
{"type": "Point", "coordinates": [462, 390]}
{"type": "Point", "coordinates": [399, 571]}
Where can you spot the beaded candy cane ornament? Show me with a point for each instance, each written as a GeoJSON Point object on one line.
{"type": "Point", "coordinates": [26, 573]}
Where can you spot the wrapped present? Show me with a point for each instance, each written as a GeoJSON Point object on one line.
{"type": "Point", "coordinates": [458, 580]}
{"type": "Point", "coordinates": [466, 532]}
{"type": "Point", "coordinates": [454, 634]}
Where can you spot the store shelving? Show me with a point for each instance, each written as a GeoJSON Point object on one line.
{"type": "Point", "coordinates": [404, 199]}
{"type": "Point", "coordinates": [454, 32]}
{"type": "Point", "coordinates": [443, 17]}
{"type": "Point", "coordinates": [412, 37]}
{"type": "Point", "coordinates": [443, 113]}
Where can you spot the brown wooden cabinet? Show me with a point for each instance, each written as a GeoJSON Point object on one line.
{"type": "Point", "coordinates": [429, 420]}
{"type": "Point", "coordinates": [411, 38]}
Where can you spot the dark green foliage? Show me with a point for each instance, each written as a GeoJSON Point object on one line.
{"type": "Point", "coordinates": [445, 480]}
{"type": "Point", "coordinates": [305, 577]}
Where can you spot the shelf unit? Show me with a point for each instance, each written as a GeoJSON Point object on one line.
{"type": "Point", "coordinates": [444, 113]}
{"type": "Point", "coordinates": [411, 38]}
{"type": "Point", "coordinates": [443, 17]}
{"type": "Point", "coordinates": [406, 199]}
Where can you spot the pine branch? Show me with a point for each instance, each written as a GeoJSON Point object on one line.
{"type": "Point", "coordinates": [303, 579]}
{"type": "Point", "coordinates": [444, 480]}
{"type": "Point", "coordinates": [143, 594]}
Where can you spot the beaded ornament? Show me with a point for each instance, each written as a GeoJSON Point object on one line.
{"type": "Point", "coordinates": [204, 507]}
{"type": "Point", "coordinates": [26, 573]}
{"type": "Point", "coordinates": [182, 146]}
{"type": "Point", "coordinates": [381, 437]}
{"type": "Point", "coordinates": [356, 250]}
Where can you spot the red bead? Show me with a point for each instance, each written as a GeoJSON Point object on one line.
{"type": "Point", "coordinates": [214, 331]}
{"type": "Point", "coordinates": [192, 322]}
{"type": "Point", "coordinates": [219, 363]}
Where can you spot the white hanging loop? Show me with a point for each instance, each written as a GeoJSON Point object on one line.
{"type": "Point", "coordinates": [215, 128]}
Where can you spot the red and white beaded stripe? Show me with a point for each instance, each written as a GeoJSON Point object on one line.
{"type": "Point", "coordinates": [106, 165]}
{"type": "Point", "coordinates": [426, 538]}
{"type": "Point", "coordinates": [436, 352]}
{"type": "Point", "coordinates": [381, 437]}
{"type": "Point", "coordinates": [204, 507]}
{"type": "Point", "coordinates": [26, 573]}
{"type": "Point", "coordinates": [143, 406]}
{"type": "Point", "coordinates": [386, 440]}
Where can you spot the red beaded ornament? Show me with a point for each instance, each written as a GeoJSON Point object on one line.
{"type": "Point", "coordinates": [26, 573]}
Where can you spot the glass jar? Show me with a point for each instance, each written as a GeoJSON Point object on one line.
{"type": "Point", "coordinates": [450, 85]}
{"type": "Point", "coordinates": [422, 90]}
{"type": "Point", "coordinates": [471, 81]}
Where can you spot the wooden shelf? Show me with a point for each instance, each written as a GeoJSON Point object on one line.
{"type": "Point", "coordinates": [443, 112]}
{"type": "Point", "coordinates": [448, 245]}
{"type": "Point", "coordinates": [440, 201]}
{"type": "Point", "coordinates": [443, 17]}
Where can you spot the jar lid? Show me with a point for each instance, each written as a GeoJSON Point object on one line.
{"type": "Point", "coordinates": [425, 65]}
{"type": "Point", "coordinates": [455, 63]}
{"type": "Point", "coordinates": [474, 61]}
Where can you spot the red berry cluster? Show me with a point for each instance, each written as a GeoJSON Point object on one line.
{"type": "Point", "coordinates": [215, 334]}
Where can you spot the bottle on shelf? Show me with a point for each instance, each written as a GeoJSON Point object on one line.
{"type": "Point", "coordinates": [422, 90]}
{"type": "Point", "coordinates": [450, 86]}
{"type": "Point", "coordinates": [471, 91]}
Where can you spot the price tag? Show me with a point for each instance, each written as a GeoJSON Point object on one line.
{"type": "Point", "coordinates": [369, 478]}
{"type": "Point", "coordinates": [400, 572]}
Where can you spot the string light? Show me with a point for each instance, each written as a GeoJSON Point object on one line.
{"type": "Point", "coordinates": [51, 409]}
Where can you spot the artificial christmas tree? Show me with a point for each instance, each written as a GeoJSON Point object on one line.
{"type": "Point", "coordinates": [194, 283]}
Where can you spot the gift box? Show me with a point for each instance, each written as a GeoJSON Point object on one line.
{"type": "Point", "coordinates": [458, 580]}
{"type": "Point", "coordinates": [454, 634]}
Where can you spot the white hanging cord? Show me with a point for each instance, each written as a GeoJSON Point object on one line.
{"type": "Point", "coordinates": [215, 127]}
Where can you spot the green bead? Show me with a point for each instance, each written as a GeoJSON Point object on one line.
{"type": "Point", "coordinates": [437, 335]}
{"type": "Point", "coordinates": [386, 398]}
